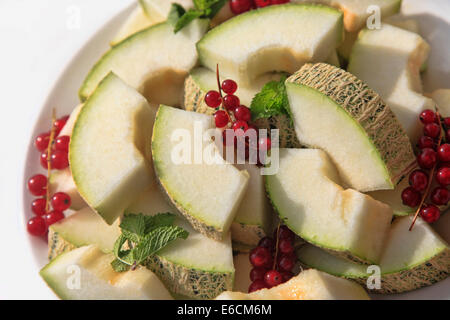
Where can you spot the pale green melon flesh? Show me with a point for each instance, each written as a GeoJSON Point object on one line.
{"type": "Point", "coordinates": [110, 147]}
{"type": "Point", "coordinates": [98, 281]}
{"type": "Point", "coordinates": [338, 113]}
{"type": "Point", "coordinates": [310, 33]}
{"type": "Point", "coordinates": [136, 21]}
{"type": "Point", "coordinates": [193, 185]}
{"type": "Point", "coordinates": [150, 60]}
{"type": "Point", "coordinates": [412, 259]}
{"type": "Point", "coordinates": [309, 200]}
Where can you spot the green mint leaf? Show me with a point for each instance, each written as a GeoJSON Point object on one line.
{"type": "Point", "coordinates": [215, 7]}
{"type": "Point", "coordinates": [119, 266]}
{"type": "Point", "coordinates": [176, 11]}
{"type": "Point", "coordinates": [187, 18]}
{"type": "Point", "coordinates": [133, 223]}
{"type": "Point", "coordinates": [271, 101]}
{"type": "Point", "coordinates": [159, 220]}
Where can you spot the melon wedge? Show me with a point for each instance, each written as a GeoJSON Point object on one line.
{"type": "Point", "coordinates": [389, 61]}
{"type": "Point", "coordinates": [97, 279]}
{"type": "Point", "coordinates": [411, 260]}
{"type": "Point", "coordinates": [308, 285]}
{"type": "Point", "coordinates": [309, 200]}
{"type": "Point", "coordinates": [150, 60]}
{"type": "Point", "coordinates": [109, 149]}
{"type": "Point", "coordinates": [334, 111]}
{"type": "Point", "coordinates": [207, 194]}
{"type": "Point", "coordinates": [136, 21]}
{"type": "Point", "coordinates": [310, 33]}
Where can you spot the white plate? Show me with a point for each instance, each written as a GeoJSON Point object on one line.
{"type": "Point", "coordinates": [434, 18]}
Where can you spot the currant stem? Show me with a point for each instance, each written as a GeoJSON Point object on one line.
{"type": "Point", "coordinates": [220, 92]}
{"type": "Point", "coordinates": [276, 247]}
{"type": "Point", "coordinates": [49, 167]}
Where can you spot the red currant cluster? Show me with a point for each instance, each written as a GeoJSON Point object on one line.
{"type": "Point", "coordinates": [434, 161]}
{"type": "Point", "coordinates": [272, 261]}
{"type": "Point", "coordinates": [38, 184]}
{"type": "Point", "coordinates": [240, 6]}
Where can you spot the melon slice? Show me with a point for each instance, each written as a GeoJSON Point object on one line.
{"type": "Point", "coordinates": [62, 181]}
{"type": "Point", "coordinates": [308, 285]}
{"type": "Point", "coordinates": [336, 112]}
{"type": "Point", "coordinates": [136, 21]}
{"type": "Point", "coordinates": [309, 200]}
{"type": "Point", "coordinates": [411, 260]}
{"type": "Point", "coordinates": [150, 61]}
{"type": "Point", "coordinates": [310, 33]}
{"type": "Point", "coordinates": [86, 274]}
{"type": "Point", "coordinates": [110, 147]}
{"type": "Point", "coordinates": [389, 61]}
{"type": "Point", "coordinates": [207, 194]}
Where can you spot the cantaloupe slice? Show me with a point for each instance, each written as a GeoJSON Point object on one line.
{"type": "Point", "coordinates": [308, 285]}
{"type": "Point", "coordinates": [309, 200]}
{"type": "Point", "coordinates": [411, 260]}
{"type": "Point", "coordinates": [336, 112]}
{"type": "Point", "coordinates": [310, 33]}
{"type": "Point", "coordinates": [389, 61]}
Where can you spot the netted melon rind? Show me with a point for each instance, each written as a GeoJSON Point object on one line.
{"type": "Point", "coordinates": [57, 244]}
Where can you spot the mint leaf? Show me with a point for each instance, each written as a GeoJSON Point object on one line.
{"type": "Point", "coordinates": [176, 11]}
{"type": "Point", "coordinates": [271, 101]}
{"type": "Point", "coordinates": [159, 220]}
{"type": "Point", "coordinates": [133, 223]}
{"type": "Point", "coordinates": [119, 266]}
{"type": "Point", "coordinates": [215, 7]}
{"type": "Point", "coordinates": [187, 18]}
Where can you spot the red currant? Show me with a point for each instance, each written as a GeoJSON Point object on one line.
{"type": "Point", "coordinates": [286, 275]}
{"type": "Point", "coordinates": [444, 152]}
{"type": "Point", "coordinates": [59, 124]}
{"type": "Point", "coordinates": [440, 196]}
{"type": "Point", "coordinates": [61, 201]}
{"type": "Point", "coordinates": [264, 144]}
{"type": "Point", "coordinates": [62, 143]}
{"type": "Point", "coordinates": [42, 141]}
{"type": "Point", "coordinates": [213, 99]}
{"type": "Point", "coordinates": [447, 135]}
{"type": "Point", "coordinates": [221, 118]}
{"type": "Point", "coordinates": [242, 113]}
{"type": "Point", "coordinates": [285, 233]}
{"type": "Point", "coordinates": [257, 285]}
{"type": "Point", "coordinates": [257, 274]}
{"type": "Point", "coordinates": [426, 142]}
{"type": "Point", "coordinates": [37, 185]}
{"type": "Point", "coordinates": [268, 243]}
{"type": "Point", "coordinates": [443, 176]}
{"type": "Point", "coordinates": [38, 206]}
{"type": "Point", "coordinates": [428, 116]}
{"type": "Point", "coordinates": [59, 160]}
{"type": "Point", "coordinates": [411, 197]}
{"type": "Point", "coordinates": [36, 226]}
{"type": "Point", "coordinates": [44, 160]}
{"type": "Point", "coordinates": [427, 158]}
{"type": "Point", "coordinates": [231, 102]}
{"type": "Point", "coordinates": [262, 3]}
{"type": "Point", "coordinates": [53, 217]}
{"type": "Point", "coordinates": [432, 130]}
{"type": "Point", "coordinates": [260, 257]}
{"type": "Point", "coordinates": [430, 213]}
{"type": "Point", "coordinates": [240, 6]}
{"type": "Point", "coordinates": [285, 246]}
{"type": "Point", "coordinates": [286, 263]}
{"type": "Point", "coordinates": [240, 127]}
{"type": "Point", "coordinates": [418, 179]}
{"type": "Point", "coordinates": [273, 278]}
{"type": "Point", "coordinates": [447, 122]}
{"type": "Point", "coordinates": [229, 86]}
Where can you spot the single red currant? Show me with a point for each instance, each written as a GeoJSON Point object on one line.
{"type": "Point", "coordinates": [260, 257]}
{"type": "Point", "coordinates": [428, 116]}
{"type": "Point", "coordinates": [257, 285]}
{"type": "Point", "coordinates": [240, 127]}
{"type": "Point", "coordinates": [61, 201]}
{"type": "Point", "coordinates": [427, 158]}
{"type": "Point", "coordinates": [268, 243]}
{"type": "Point", "coordinates": [444, 152]}
{"type": "Point", "coordinates": [440, 196]}
{"type": "Point", "coordinates": [443, 176]}
{"type": "Point", "coordinates": [447, 135]}
{"type": "Point", "coordinates": [44, 160]}
{"type": "Point", "coordinates": [240, 6]}
{"type": "Point", "coordinates": [426, 142]}
{"type": "Point", "coordinates": [285, 246]}
{"type": "Point", "coordinates": [36, 226]}
{"type": "Point", "coordinates": [229, 86]}
{"type": "Point", "coordinates": [285, 233]}
{"type": "Point", "coordinates": [38, 206]}
{"type": "Point", "coordinates": [231, 102]}
{"type": "Point", "coordinates": [418, 179]}
{"type": "Point", "coordinates": [411, 197]}
{"type": "Point", "coordinates": [286, 263]}
{"type": "Point", "coordinates": [213, 99]}
{"type": "Point", "coordinates": [59, 160]}
{"type": "Point", "coordinates": [257, 274]}
{"type": "Point", "coordinates": [264, 144]}
{"type": "Point", "coordinates": [432, 130]}
{"type": "Point", "coordinates": [447, 122]}
{"type": "Point", "coordinates": [59, 124]}
{"type": "Point", "coordinates": [430, 213]}
{"type": "Point", "coordinates": [42, 141]}
{"type": "Point", "coordinates": [242, 113]}
{"type": "Point", "coordinates": [53, 217]}
{"type": "Point", "coordinates": [273, 278]}
{"type": "Point", "coordinates": [221, 118]}
{"type": "Point", "coordinates": [62, 143]}
{"type": "Point", "coordinates": [262, 3]}
{"type": "Point", "coordinates": [37, 185]}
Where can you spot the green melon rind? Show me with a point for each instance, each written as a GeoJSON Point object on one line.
{"type": "Point", "coordinates": [57, 244]}
{"type": "Point", "coordinates": [367, 109]}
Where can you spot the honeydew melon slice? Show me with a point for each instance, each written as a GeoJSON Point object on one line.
{"type": "Point", "coordinates": [411, 260]}
{"type": "Point", "coordinates": [150, 61]}
{"type": "Point", "coordinates": [393, 198]}
{"type": "Point", "coordinates": [310, 33]}
{"type": "Point", "coordinates": [389, 61]}
{"type": "Point", "coordinates": [109, 149]}
{"type": "Point", "coordinates": [136, 21]}
{"type": "Point", "coordinates": [309, 200]}
{"type": "Point", "coordinates": [97, 280]}
{"type": "Point", "coordinates": [308, 285]}
{"type": "Point", "coordinates": [336, 112]}
{"type": "Point", "coordinates": [207, 193]}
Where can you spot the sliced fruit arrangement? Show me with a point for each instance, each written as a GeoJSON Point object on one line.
{"type": "Point", "coordinates": [207, 195]}
{"type": "Point", "coordinates": [148, 67]}
{"type": "Point", "coordinates": [411, 260]}
{"type": "Point", "coordinates": [308, 198]}
{"type": "Point", "coordinates": [335, 111]}
{"type": "Point", "coordinates": [308, 285]}
{"type": "Point", "coordinates": [389, 60]}
{"type": "Point", "coordinates": [318, 27]}
{"type": "Point", "coordinates": [110, 148]}
{"type": "Point", "coordinates": [86, 274]}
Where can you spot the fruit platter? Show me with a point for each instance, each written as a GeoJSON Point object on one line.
{"type": "Point", "coordinates": [246, 150]}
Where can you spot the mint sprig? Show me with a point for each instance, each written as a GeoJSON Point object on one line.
{"type": "Point", "coordinates": [143, 237]}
